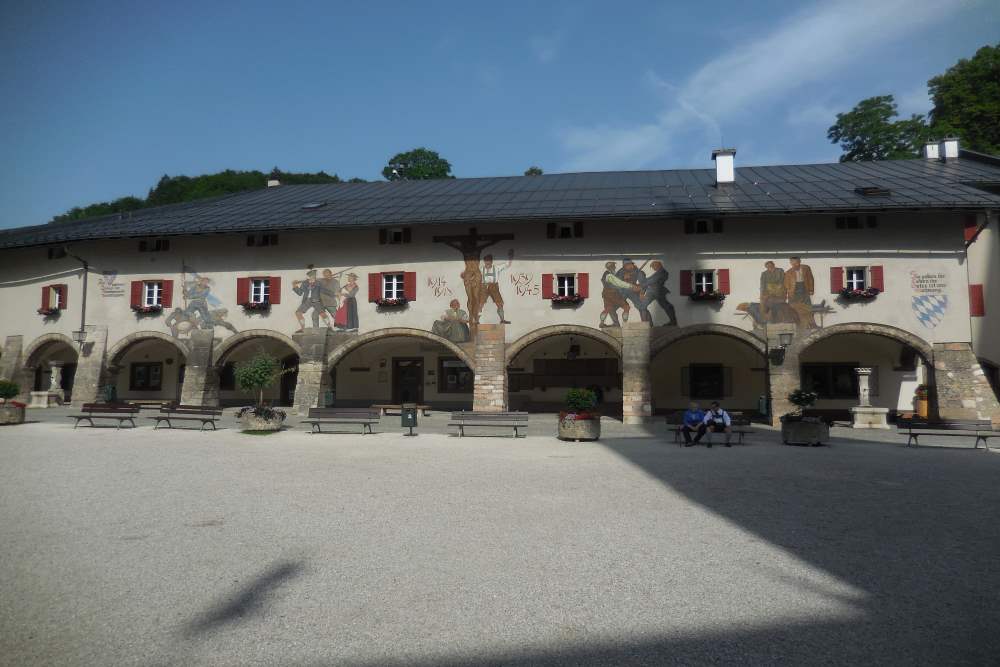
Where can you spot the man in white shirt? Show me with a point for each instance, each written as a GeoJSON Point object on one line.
{"type": "Point", "coordinates": [716, 420]}
{"type": "Point", "coordinates": [490, 288]}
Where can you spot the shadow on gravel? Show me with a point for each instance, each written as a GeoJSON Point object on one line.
{"type": "Point", "coordinates": [247, 602]}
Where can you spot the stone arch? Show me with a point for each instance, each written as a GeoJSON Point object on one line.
{"type": "Point", "coordinates": [122, 346]}
{"type": "Point", "coordinates": [527, 339]}
{"type": "Point", "coordinates": [354, 343]}
{"type": "Point", "coordinates": [675, 334]}
{"type": "Point", "coordinates": [44, 341]}
{"type": "Point", "coordinates": [923, 348]}
{"type": "Point", "coordinates": [234, 341]}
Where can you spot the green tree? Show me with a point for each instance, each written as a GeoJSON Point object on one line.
{"type": "Point", "coordinates": [869, 132]}
{"type": "Point", "coordinates": [967, 101]}
{"type": "Point", "coordinates": [415, 165]}
{"type": "Point", "coordinates": [533, 171]}
{"type": "Point", "coordinates": [258, 373]}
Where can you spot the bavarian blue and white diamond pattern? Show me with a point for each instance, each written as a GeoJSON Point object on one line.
{"type": "Point", "coordinates": [929, 308]}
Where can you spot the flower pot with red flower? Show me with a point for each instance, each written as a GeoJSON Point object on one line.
{"type": "Point", "coordinates": [11, 411]}
{"type": "Point", "coordinates": [580, 420]}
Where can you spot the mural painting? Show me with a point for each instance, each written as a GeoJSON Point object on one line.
{"type": "Point", "coordinates": [200, 308]}
{"type": "Point", "coordinates": [629, 287]}
{"type": "Point", "coordinates": [929, 301]}
{"type": "Point", "coordinates": [481, 281]}
{"type": "Point", "coordinates": [454, 324]}
{"type": "Point", "coordinates": [786, 297]}
{"type": "Point", "coordinates": [110, 285]}
{"type": "Point", "coordinates": [323, 298]}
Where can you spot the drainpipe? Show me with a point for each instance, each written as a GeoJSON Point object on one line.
{"type": "Point", "coordinates": [81, 335]}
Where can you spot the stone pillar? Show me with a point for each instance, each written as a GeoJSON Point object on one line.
{"type": "Point", "coordinates": [10, 360]}
{"type": "Point", "coordinates": [201, 381]}
{"type": "Point", "coordinates": [313, 379]}
{"type": "Point", "coordinates": [637, 393]}
{"type": "Point", "coordinates": [90, 366]}
{"type": "Point", "coordinates": [962, 390]}
{"type": "Point", "coordinates": [490, 390]}
{"type": "Point", "coordinates": [782, 370]}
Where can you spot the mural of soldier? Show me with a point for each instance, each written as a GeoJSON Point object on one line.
{"type": "Point", "coordinates": [454, 323]}
{"type": "Point", "coordinates": [200, 310]}
{"type": "Point", "coordinates": [653, 289]}
{"type": "Point", "coordinates": [633, 276]}
{"type": "Point", "coordinates": [772, 291]}
{"type": "Point", "coordinates": [329, 295]}
{"type": "Point", "coordinates": [311, 291]}
{"type": "Point", "coordinates": [612, 293]}
{"type": "Point", "coordinates": [489, 287]}
{"type": "Point", "coordinates": [799, 288]}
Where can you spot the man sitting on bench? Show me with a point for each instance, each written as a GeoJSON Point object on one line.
{"type": "Point", "coordinates": [716, 420]}
{"type": "Point", "coordinates": [693, 420]}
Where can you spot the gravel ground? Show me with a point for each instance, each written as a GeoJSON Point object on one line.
{"type": "Point", "coordinates": [186, 548]}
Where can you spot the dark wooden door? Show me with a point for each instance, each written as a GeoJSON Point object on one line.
{"type": "Point", "coordinates": [408, 380]}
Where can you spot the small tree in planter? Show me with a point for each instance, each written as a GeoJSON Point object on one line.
{"type": "Point", "coordinates": [580, 421]}
{"type": "Point", "coordinates": [11, 411]}
{"type": "Point", "coordinates": [253, 377]}
{"type": "Point", "coordinates": [801, 430]}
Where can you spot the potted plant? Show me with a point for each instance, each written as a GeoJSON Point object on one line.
{"type": "Point", "coordinates": [920, 400]}
{"type": "Point", "coordinates": [858, 294]}
{"type": "Point", "coordinates": [11, 411]}
{"type": "Point", "coordinates": [797, 429]}
{"type": "Point", "coordinates": [253, 377]}
{"type": "Point", "coordinates": [711, 295]}
{"type": "Point", "coordinates": [580, 421]}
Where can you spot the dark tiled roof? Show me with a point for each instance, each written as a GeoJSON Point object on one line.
{"type": "Point", "coordinates": [912, 184]}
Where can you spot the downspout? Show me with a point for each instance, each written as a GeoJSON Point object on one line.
{"type": "Point", "coordinates": [83, 301]}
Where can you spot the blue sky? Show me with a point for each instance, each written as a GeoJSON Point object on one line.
{"type": "Point", "coordinates": [99, 99]}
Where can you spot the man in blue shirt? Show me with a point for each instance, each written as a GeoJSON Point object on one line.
{"type": "Point", "coordinates": [694, 416]}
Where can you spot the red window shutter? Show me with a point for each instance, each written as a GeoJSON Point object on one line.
{"type": "Point", "coordinates": [836, 279]}
{"type": "Point", "coordinates": [724, 281]}
{"type": "Point", "coordinates": [374, 287]}
{"type": "Point", "coordinates": [878, 277]}
{"type": "Point", "coordinates": [136, 295]}
{"type": "Point", "coordinates": [167, 298]}
{"type": "Point", "coordinates": [410, 285]}
{"type": "Point", "coordinates": [46, 291]}
{"type": "Point", "coordinates": [977, 302]}
{"type": "Point", "coordinates": [548, 285]}
{"type": "Point", "coordinates": [687, 278]}
{"type": "Point", "coordinates": [583, 285]}
{"type": "Point", "coordinates": [969, 227]}
{"type": "Point", "coordinates": [242, 291]}
{"type": "Point", "coordinates": [63, 293]}
{"type": "Point", "coordinates": [274, 287]}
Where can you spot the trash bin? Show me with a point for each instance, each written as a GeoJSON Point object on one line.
{"type": "Point", "coordinates": [409, 417]}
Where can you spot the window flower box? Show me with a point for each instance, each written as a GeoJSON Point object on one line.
{"type": "Point", "coordinates": [568, 299]}
{"type": "Point", "coordinates": [48, 312]}
{"type": "Point", "coordinates": [391, 303]}
{"type": "Point", "coordinates": [258, 306]}
{"type": "Point", "coordinates": [714, 295]}
{"type": "Point", "coordinates": [859, 294]}
{"type": "Point", "coordinates": [147, 310]}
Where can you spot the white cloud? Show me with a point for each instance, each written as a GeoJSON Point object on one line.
{"type": "Point", "coordinates": [806, 48]}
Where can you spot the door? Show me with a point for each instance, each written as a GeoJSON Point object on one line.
{"type": "Point", "coordinates": [408, 380]}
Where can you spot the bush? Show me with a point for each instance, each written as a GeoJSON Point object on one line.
{"type": "Point", "coordinates": [259, 373]}
{"type": "Point", "coordinates": [802, 399]}
{"type": "Point", "coordinates": [580, 400]}
{"type": "Point", "coordinates": [8, 389]}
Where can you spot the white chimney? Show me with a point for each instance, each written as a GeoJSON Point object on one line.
{"type": "Point", "coordinates": [725, 171]}
{"type": "Point", "coordinates": [272, 182]}
{"type": "Point", "coordinates": [931, 150]}
{"type": "Point", "coordinates": [948, 148]}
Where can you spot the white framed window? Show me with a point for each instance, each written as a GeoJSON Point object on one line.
{"type": "Point", "coordinates": [566, 285]}
{"type": "Point", "coordinates": [704, 281]}
{"type": "Point", "coordinates": [260, 290]}
{"type": "Point", "coordinates": [392, 286]}
{"type": "Point", "coordinates": [854, 277]}
{"type": "Point", "coordinates": [55, 297]}
{"type": "Point", "coordinates": [152, 293]}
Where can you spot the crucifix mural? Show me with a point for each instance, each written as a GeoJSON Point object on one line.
{"type": "Point", "coordinates": [482, 283]}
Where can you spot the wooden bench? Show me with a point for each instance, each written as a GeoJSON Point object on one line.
{"type": "Point", "coordinates": [398, 409]}
{"type": "Point", "coordinates": [982, 429]}
{"type": "Point", "coordinates": [740, 427]}
{"type": "Point", "coordinates": [120, 411]}
{"type": "Point", "coordinates": [511, 420]}
{"type": "Point", "coordinates": [200, 413]}
{"type": "Point", "coordinates": [365, 417]}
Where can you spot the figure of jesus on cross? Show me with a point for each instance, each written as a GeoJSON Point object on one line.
{"type": "Point", "coordinates": [471, 246]}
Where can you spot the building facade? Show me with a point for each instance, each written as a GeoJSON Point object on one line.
{"type": "Point", "coordinates": [656, 288]}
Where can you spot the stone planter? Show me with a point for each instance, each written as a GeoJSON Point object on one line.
{"type": "Point", "coordinates": [11, 414]}
{"type": "Point", "coordinates": [254, 423]}
{"type": "Point", "coordinates": [800, 432]}
{"type": "Point", "coordinates": [579, 426]}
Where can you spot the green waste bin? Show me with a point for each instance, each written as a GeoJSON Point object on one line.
{"type": "Point", "coordinates": [409, 417]}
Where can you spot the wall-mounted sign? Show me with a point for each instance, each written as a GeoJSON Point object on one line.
{"type": "Point", "coordinates": [929, 301]}
{"type": "Point", "coordinates": [109, 284]}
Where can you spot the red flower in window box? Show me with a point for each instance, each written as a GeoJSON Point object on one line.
{"type": "Point", "coordinates": [147, 310]}
{"type": "Point", "coordinates": [572, 298]}
{"type": "Point", "coordinates": [858, 294]}
{"type": "Point", "coordinates": [257, 305]}
{"type": "Point", "coordinates": [390, 303]}
{"type": "Point", "coordinates": [714, 295]}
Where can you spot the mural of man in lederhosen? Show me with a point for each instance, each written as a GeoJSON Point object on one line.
{"type": "Point", "coordinates": [489, 287]}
